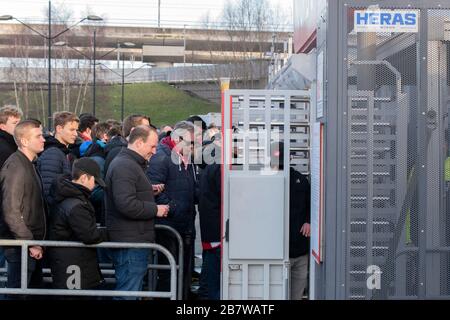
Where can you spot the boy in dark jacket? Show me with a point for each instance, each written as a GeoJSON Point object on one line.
{"type": "Point", "coordinates": [73, 219]}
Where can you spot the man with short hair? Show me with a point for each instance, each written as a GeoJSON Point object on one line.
{"type": "Point", "coordinates": [172, 167]}
{"type": "Point", "coordinates": [99, 136]}
{"type": "Point", "coordinates": [131, 209]}
{"type": "Point", "coordinates": [96, 152]}
{"type": "Point", "coordinates": [116, 144]}
{"type": "Point", "coordinates": [24, 212]}
{"type": "Point", "coordinates": [87, 122]}
{"type": "Point", "coordinates": [96, 148]}
{"type": "Point", "coordinates": [9, 118]}
{"type": "Point", "coordinates": [113, 123]}
{"type": "Point", "coordinates": [165, 131]}
{"type": "Point", "coordinates": [56, 159]}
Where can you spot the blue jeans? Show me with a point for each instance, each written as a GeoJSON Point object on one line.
{"type": "Point", "coordinates": [131, 267]}
{"type": "Point", "coordinates": [34, 274]}
{"type": "Point", "coordinates": [2, 258]}
{"type": "Point", "coordinates": [210, 276]}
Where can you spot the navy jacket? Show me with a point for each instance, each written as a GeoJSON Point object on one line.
{"type": "Point", "coordinates": [96, 152]}
{"type": "Point", "coordinates": [112, 149]}
{"type": "Point", "coordinates": [179, 192]}
{"type": "Point", "coordinates": [54, 161]}
{"type": "Point", "coordinates": [7, 146]}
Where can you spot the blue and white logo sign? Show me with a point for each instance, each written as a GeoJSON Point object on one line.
{"type": "Point", "coordinates": [387, 20]}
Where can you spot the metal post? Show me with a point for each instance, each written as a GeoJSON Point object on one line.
{"type": "Point", "coordinates": [118, 55]}
{"type": "Point", "coordinates": [123, 89]}
{"type": "Point", "coordinates": [49, 65]}
{"type": "Point", "coordinates": [24, 267]}
{"type": "Point", "coordinates": [159, 13]}
{"type": "Point", "coordinates": [422, 144]}
{"type": "Point", "coordinates": [367, 51]}
{"type": "Point", "coordinates": [94, 66]}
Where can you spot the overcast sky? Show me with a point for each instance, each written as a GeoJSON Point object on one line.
{"type": "Point", "coordinates": [127, 12]}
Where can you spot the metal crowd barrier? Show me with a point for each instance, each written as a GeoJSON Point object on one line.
{"type": "Point", "coordinates": [24, 244]}
{"type": "Point", "coordinates": [180, 258]}
{"type": "Point", "coordinates": [154, 266]}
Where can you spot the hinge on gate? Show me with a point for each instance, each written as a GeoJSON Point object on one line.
{"type": "Point", "coordinates": [227, 234]}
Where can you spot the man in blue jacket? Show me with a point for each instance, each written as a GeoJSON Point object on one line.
{"type": "Point", "coordinates": [172, 167]}
{"type": "Point", "coordinates": [56, 158]}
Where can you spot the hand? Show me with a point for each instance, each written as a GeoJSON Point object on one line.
{"type": "Point", "coordinates": [163, 211]}
{"type": "Point", "coordinates": [36, 252]}
{"type": "Point", "coordinates": [157, 189]}
{"type": "Point", "coordinates": [306, 230]}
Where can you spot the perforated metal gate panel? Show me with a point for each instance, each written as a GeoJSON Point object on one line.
{"type": "Point", "coordinates": [397, 142]}
{"type": "Point", "coordinates": [255, 256]}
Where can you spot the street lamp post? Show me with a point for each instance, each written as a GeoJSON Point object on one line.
{"type": "Point", "coordinates": [122, 104]}
{"type": "Point", "coordinates": [49, 85]}
{"type": "Point", "coordinates": [123, 75]}
{"type": "Point", "coordinates": [94, 67]}
{"type": "Point", "coordinates": [50, 38]}
{"type": "Point", "coordinates": [94, 63]}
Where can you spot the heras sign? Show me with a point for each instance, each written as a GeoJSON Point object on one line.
{"type": "Point", "coordinates": [386, 20]}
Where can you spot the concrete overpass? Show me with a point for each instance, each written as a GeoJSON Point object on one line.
{"type": "Point", "coordinates": [202, 81]}
{"type": "Point", "coordinates": [163, 46]}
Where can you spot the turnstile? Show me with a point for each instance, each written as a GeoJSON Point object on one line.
{"type": "Point", "coordinates": [255, 257]}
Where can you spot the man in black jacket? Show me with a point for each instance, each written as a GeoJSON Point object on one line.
{"type": "Point", "coordinates": [131, 209]}
{"type": "Point", "coordinates": [24, 216]}
{"type": "Point", "coordinates": [9, 118]}
{"type": "Point", "coordinates": [116, 144]}
{"type": "Point", "coordinates": [56, 159]}
{"type": "Point", "coordinates": [73, 219]}
{"type": "Point", "coordinates": [209, 208]}
{"type": "Point", "coordinates": [299, 222]}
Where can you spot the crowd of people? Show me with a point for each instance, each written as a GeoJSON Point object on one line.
{"type": "Point", "coordinates": [90, 181]}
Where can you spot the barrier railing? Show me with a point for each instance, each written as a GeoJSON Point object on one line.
{"type": "Point", "coordinates": [24, 244]}
{"type": "Point", "coordinates": [180, 258]}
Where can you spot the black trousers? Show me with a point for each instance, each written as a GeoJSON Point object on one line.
{"type": "Point", "coordinates": [169, 241]}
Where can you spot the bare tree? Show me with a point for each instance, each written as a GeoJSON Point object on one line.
{"type": "Point", "coordinates": [250, 25]}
